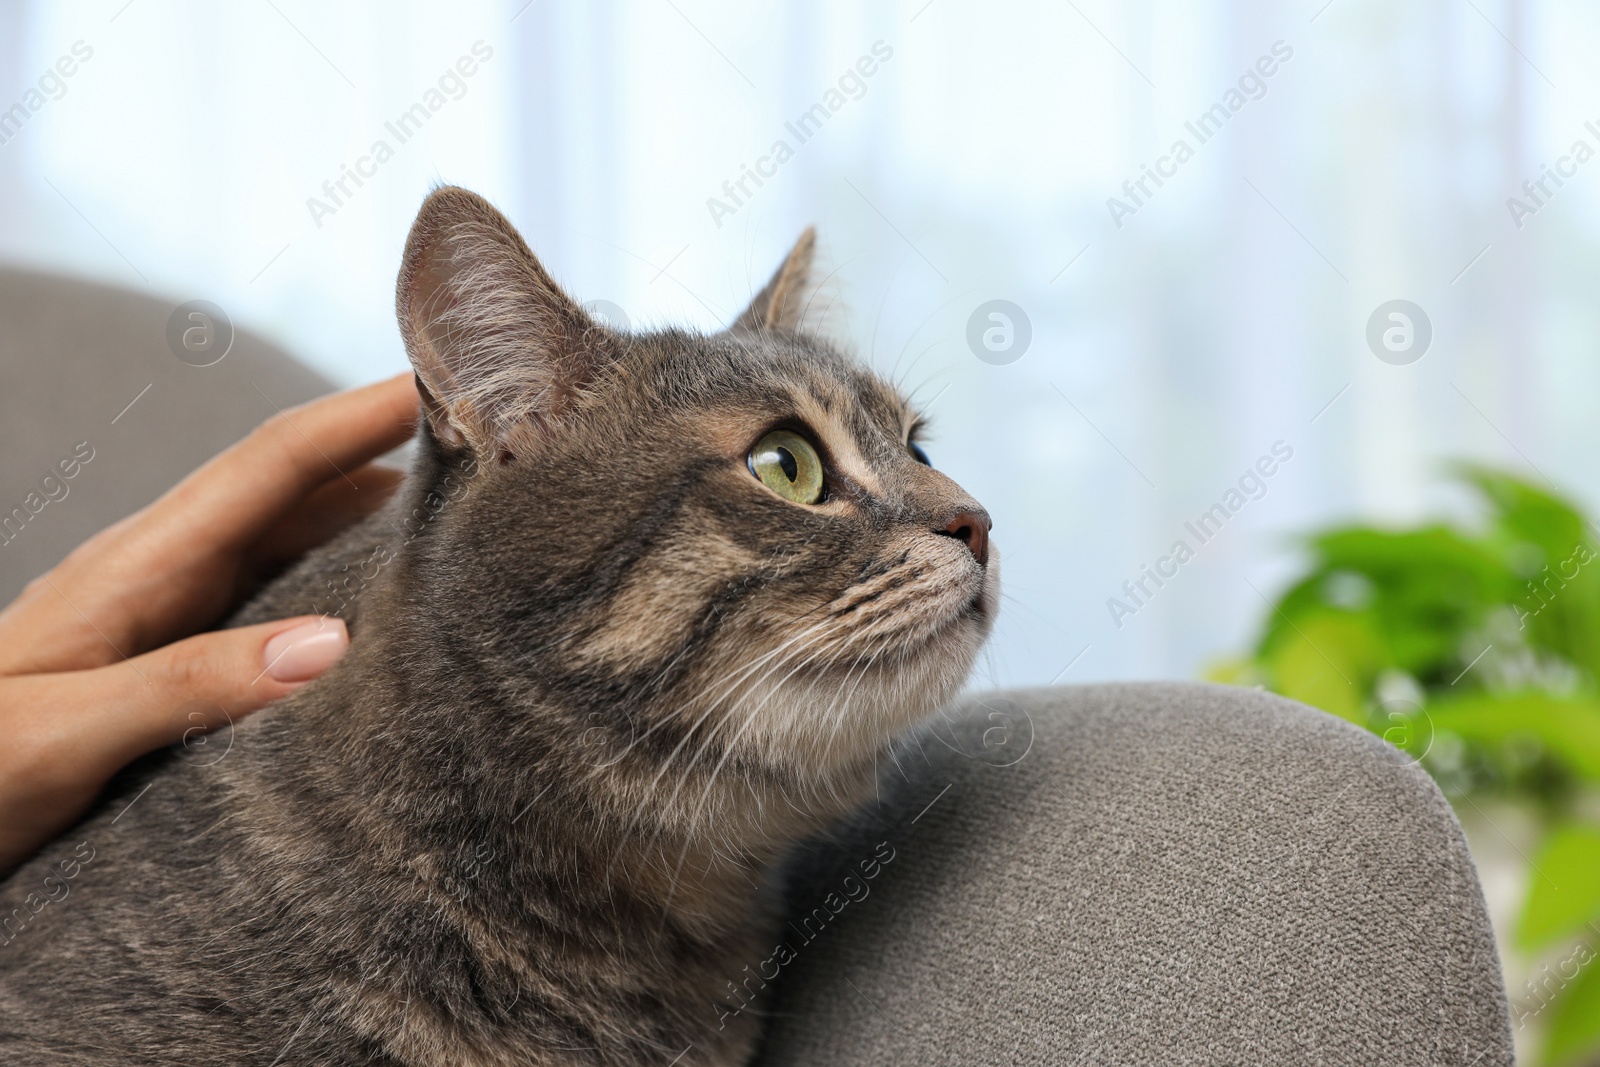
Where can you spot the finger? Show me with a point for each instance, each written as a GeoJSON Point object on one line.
{"type": "Point", "coordinates": [237, 495]}
{"type": "Point", "coordinates": [67, 734]}
{"type": "Point", "coordinates": [204, 682]}
{"type": "Point", "coordinates": [329, 511]}
{"type": "Point", "coordinates": [173, 567]}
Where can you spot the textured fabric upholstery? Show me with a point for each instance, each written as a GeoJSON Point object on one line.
{"type": "Point", "coordinates": [73, 355]}
{"type": "Point", "coordinates": [1156, 874]}
{"type": "Point", "coordinates": [1135, 874]}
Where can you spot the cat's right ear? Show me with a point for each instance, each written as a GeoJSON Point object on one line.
{"type": "Point", "coordinates": [781, 305]}
{"type": "Point", "coordinates": [500, 352]}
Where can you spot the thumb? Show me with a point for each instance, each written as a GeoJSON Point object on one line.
{"type": "Point", "coordinates": [212, 679]}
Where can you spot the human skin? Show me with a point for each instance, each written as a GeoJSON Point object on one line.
{"type": "Point", "coordinates": [105, 657]}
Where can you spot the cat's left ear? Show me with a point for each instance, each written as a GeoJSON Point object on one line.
{"type": "Point", "coordinates": [499, 350]}
{"type": "Point", "coordinates": [781, 305]}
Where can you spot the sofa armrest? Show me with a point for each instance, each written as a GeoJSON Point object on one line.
{"type": "Point", "coordinates": [1142, 874]}
{"type": "Point", "coordinates": [88, 372]}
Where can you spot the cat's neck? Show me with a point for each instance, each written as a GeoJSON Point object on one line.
{"type": "Point", "coordinates": [433, 739]}
{"type": "Point", "coordinates": [441, 763]}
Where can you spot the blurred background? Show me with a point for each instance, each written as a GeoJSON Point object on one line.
{"type": "Point", "coordinates": [1218, 273]}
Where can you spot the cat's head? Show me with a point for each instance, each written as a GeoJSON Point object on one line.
{"type": "Point", "coordinates": [723, 547]}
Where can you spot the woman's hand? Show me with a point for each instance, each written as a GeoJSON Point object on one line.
{"type": "Point", "coordinates": [97, 662]}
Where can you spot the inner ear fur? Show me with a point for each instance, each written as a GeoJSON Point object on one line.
{"type": "Point", "coordinates": [498, 348]}
{"type": "Point", "coordinates": [781, 305]}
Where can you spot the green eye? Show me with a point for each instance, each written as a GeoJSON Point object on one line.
{"type": "Point", "coordinates": [788, 465]}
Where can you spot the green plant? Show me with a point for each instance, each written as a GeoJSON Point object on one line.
{"type": "Point", "coordinates": [1477, 650]}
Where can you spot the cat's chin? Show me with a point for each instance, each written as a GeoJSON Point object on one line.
{"type": "Point", "coordinates": [835, 716]}
{"type": "Point", "coordinates": [954, 621]}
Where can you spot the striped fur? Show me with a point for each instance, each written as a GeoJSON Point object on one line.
{"type": "Point", "coordinates": [600, 679]}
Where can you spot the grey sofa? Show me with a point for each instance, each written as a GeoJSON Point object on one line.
{"type": "Point", "coordinates": [1122, 874]}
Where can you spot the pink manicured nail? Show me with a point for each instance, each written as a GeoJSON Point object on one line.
{"type": "Point", "coordinates": [300, 654]}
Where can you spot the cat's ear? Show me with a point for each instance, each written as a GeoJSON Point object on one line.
{"type": "Point", "coordinates": [781, 305]}
{"type": "Point", "coordinates": [498, 348]}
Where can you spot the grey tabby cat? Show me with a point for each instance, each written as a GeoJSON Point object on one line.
{"type": "Point", "coordinates": [649, 609]}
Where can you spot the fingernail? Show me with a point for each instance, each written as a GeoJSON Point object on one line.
{"type": "Point", "coordinates": [300, 654]}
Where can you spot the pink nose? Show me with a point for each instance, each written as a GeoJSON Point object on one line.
{"type": "Point", "coordinates": [972, 529]}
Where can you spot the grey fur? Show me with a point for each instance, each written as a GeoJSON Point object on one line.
{"type": "Point", "coordinates": [600, 680]}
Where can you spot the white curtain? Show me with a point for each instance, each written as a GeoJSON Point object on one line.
{"type": "Point", "coordinates": [1225, 316]}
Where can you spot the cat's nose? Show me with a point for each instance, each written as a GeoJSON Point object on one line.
{"type": "Point", "coordinates": [972, 529]}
